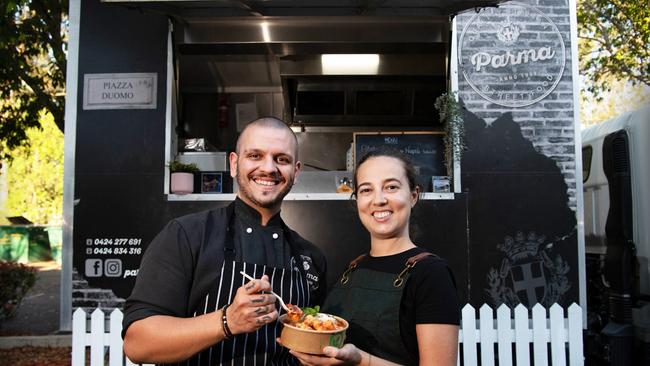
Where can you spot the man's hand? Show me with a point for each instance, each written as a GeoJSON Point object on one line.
{"type": "Point", "coordinates": [251, 309]}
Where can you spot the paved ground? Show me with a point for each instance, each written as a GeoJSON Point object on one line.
{"type": "Point", "coordinates": [39, 312]}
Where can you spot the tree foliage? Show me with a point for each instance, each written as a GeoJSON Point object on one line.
{"type": "Point", "coordinates": [614, 42]}
{"type": "Point", "coordinates": [622, 97]}
{"type": "Point", "coordinates": [35, 176]}
{"type": "Point", "coordinates": [33, 36]}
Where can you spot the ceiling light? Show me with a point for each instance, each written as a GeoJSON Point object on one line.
{"type": "Point", "coordinates": [350, 64]}
{"type": "Point", "coordinates": [265, 32]}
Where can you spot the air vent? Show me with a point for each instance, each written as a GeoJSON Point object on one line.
{"type": "Point", "coordinates": [364, 101]}
{"type": "Point", "coordinates": [621, 155]}
{"type": "Point", "coordinates": [320, 102]}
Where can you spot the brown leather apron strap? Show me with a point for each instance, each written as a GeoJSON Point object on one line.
{"type": "Point", "coordinates": [358, 259]}
{"type": "Point", "coordinates": [346, 275]}
{"type": "Point", "coordinates": [410, 263]}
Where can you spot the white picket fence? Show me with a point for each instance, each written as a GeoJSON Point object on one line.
{"type": "Point", "coordinates": [541, 331]}
{"type": "Point", "coordinates": [97, 338]}
{"type": "Point", "coordinates": [477, 337]}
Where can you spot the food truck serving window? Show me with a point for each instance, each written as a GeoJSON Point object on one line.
{"type": "Point", "coordinates": [220, 85]}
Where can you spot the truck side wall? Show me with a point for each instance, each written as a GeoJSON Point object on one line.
{"type": "Point", "coordinates": [596, 188]}
{"type": "Point", "coordinates": [519, 171]}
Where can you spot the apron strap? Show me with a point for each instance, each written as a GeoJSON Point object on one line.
{"type": "Point", "coordinates": [356, 261]}
{"type": "Point", "coordinates": [346, 275]}
{"type": "Point", "coordinates": [410, 263]}
{"type": "Point", "coordinates": [229, 244]}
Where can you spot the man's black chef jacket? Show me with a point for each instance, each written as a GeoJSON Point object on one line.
{"type": "Point", "coordinates": [184, 260]}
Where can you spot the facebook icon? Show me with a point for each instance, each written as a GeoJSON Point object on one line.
{"type": "Point", "coordinates": [94, 267]}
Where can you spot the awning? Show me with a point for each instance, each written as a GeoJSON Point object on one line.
{"type": "Point", "coordinates": [185, 8]}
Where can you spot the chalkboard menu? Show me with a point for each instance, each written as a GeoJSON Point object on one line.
{"type": "Point", "coordinates": [426, 150]}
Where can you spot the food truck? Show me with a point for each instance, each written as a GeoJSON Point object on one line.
{"type": "Point", "coordinates": [150, 83]}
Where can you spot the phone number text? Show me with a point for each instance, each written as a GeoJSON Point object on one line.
{"type": "Point", "coordinates": [116, 241]}
{"type": "Point", "coordinates": [106, 250]}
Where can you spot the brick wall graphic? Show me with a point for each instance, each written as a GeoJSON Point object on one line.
{"type": "Point", "coordinates": [517, 59]}
{"type": "Point", "coordinates": [90, 298]}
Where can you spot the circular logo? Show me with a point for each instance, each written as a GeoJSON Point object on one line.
{"type": "Point", "coordinates": [513, 55]}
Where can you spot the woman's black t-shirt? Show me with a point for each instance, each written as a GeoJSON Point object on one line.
{"type": "Point", "coordinates": [429, 296]}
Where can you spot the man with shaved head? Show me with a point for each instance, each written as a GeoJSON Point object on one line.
{"type": "Point", "coordinates": [265, 163]}
{"type": "Point", "coordinates": [191, 303]}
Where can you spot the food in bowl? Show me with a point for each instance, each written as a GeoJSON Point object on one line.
{"type": "Point", "coordinates": [319, 322]}
{"type": "Point", "coordinates": [309, 331]}
{"type": "Point", "coordinates": [295, 313]}
{"type": "Point", "coordinates": [312, 319]}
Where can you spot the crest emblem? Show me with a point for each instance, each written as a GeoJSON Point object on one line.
{"type": "Point", "coordinates": [527, 274]}
{"type": "Point", "coordinates": [508, 33]}
{"type": "Point", "coordinates": [306, 262]}
{"type": "Point", "coordinates": [311, 274]}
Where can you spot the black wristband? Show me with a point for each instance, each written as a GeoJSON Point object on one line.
{"type": "Point", "coordinates": [224, 323]}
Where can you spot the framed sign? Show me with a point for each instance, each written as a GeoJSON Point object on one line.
{"type": "Point", "coordinates": [426, 150]}
{"type": "Point", "coordinates": [120, 91]}
{"type": "Point", "coordinates": [440, 184]}
{"type": "Point", "coordinates": [211, 182]}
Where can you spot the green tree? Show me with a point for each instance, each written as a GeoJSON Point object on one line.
{"type": "Point", "coordinates": [35, 175]}
{"type": "Point", "coordinates": [614, 36]}
{"type": "Point", "coordinates": [33, 37]}
{"type": "Point", "coordinates": [621, 98]}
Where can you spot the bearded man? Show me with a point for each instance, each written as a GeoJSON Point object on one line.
{"type": "Point", "coordinates": [190, 304]}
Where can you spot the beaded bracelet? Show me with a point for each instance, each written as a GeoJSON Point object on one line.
{"type": "Point", "coordinates": [224, 323]}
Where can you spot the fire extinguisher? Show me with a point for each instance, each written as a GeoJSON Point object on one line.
{"type": "Point", "coordinates": [223, 111]}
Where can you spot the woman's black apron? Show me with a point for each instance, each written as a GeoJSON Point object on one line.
{"type": "Point", "coordinates": [260, 347]}
{"type": "Point", "coordinates": [370, 301]}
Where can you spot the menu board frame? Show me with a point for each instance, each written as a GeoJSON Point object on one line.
{"type": "Point", "coordinates": [398, 139]}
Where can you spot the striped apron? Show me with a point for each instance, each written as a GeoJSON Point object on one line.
{"type": "Point", "coordinates": [260, 347]}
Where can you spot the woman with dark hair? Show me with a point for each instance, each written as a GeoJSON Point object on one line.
{"type": "Point", "coordinates": [399, 299]}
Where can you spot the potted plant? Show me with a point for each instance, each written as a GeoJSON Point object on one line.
{"type": "Point", "coordinates": [452, 120]}
{"type": "Point", "coordinates": [182, 177]}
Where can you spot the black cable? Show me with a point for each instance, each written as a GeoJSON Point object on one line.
{"type": "Point", "coordinates": [316, 167]}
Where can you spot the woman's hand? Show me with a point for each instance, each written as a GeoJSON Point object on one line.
{"type": "Point", "coordinates": [347, 355]}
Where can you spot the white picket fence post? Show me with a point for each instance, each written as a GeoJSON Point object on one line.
{"type": "Point", "coordinates": [576, 356]}
{"type": "Point", "coordinates": [505, 335]}
{"type": "Point", "coordinates": [469, 336]}
{"type": "Point", "coordinates": [555, 331]}
{"type": "Point", "coordinates": [488, 335]}
{"type": "Point", "coordinates": [78, 338]}
{"type": "Point", "coordinates": [539, 336]}
{"type": "Point", "coordinates": [522, 338]}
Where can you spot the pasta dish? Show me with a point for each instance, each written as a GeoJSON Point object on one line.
{"type": "Point", "coordinates": [311, 319]}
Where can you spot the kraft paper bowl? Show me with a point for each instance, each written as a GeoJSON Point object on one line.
{"type": "Point", "coordinates": [311, 341]}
